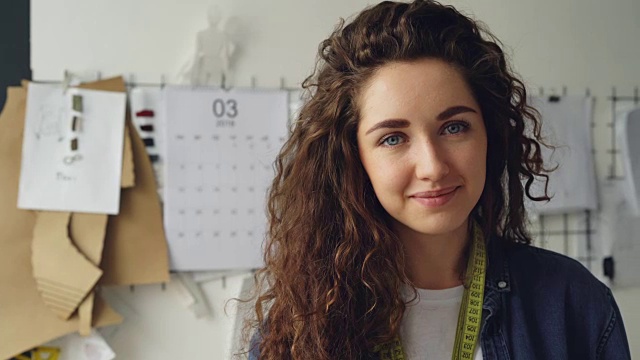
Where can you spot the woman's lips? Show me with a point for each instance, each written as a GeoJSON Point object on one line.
{"type": "Point", "coordinates": [435, 198]}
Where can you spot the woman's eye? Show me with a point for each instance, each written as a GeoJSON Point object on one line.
{"type": "Point", "coordinates": [392, 140]}
{"type": "Point", "coordinates": [455, 128]}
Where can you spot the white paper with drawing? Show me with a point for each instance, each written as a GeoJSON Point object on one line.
{"type": "Point", "coordinates": [220, 149]}
{"type": "Point", "coordinates": [72, 150]}
{"type": "Point", "coordinates": [566, 124]}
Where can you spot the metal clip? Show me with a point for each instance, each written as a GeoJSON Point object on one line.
{"type": "Point", "coordinates": [66, 81]}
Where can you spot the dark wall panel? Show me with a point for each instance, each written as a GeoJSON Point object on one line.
{"type": "Point", "coordinates": [15, 46]}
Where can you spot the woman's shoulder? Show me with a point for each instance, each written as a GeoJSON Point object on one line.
{"type": "Point", "coordinates": [537, 262]}
{"type": "Point", "coordinates": [563, 298]}
{"type": "Point", "coordinates": [540, 272]}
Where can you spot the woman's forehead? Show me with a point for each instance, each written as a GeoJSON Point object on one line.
{"type": "Point", "coordinates": [427, 86]}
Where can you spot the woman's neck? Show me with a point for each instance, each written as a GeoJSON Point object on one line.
{"type": "Point", "coordinates": [435, 261]}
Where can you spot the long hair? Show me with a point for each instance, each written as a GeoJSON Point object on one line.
{"type": "Point", "coordinates": [330, 286]}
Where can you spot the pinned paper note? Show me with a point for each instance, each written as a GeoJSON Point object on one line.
{"type": "Point", "coordinates": [72, 150]}
{"type": "Point", "coordinates": [566, 124]}
{"type": "Point", "coordinates": [628, 132]}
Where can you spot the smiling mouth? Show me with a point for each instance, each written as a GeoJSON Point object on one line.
{"type": "Point", "coordinates": [435, 193]}
{"type": "Point", "coordinates": [435, 198]}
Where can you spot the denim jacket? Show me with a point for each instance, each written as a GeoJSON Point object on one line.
{"type": "Point", "coordinates": [542, 305]}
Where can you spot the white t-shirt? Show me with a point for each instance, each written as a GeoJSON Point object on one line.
{"type": "Point", "coordinates": [428, 328]}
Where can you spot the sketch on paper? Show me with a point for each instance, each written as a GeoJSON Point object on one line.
{"type": "Point", "coordinates": [57, 137]}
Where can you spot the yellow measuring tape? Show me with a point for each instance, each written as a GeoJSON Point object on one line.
{"type": "Point", "coordinates": [470, 315]}
{"type": "Point", "coordinates": [40, 353]}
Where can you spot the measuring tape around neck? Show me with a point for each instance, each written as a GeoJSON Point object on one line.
{"type": "Point", "coordinates": [470, 315]}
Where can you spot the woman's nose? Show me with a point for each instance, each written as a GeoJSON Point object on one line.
{"type": "Point", "coordinates": [430, 162]}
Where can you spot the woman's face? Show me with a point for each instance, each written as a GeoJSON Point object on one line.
{"type": "Point", "coordinates": [423, 143]}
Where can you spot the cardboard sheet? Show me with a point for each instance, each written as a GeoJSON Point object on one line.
{"type": "Point", "coordinates": [135, 250]}
{"type": "Point", "coordinates": [87, 232]}
{"type": "Point", "coordinates": [128, 177]}
{"type": "Point", "coordinates": [63, 274]}
{"type": "Point", "coordinates": [21, 306]}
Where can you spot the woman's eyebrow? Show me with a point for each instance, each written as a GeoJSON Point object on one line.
{"type": "Point", "coordinates": [401, 123]}
{"type": "Point", "coordinates": [390, 123]}
{"type": "Point", "coordinates": [454, 110]}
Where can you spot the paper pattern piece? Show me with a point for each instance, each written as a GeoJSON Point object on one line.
{"type": "Point", "coordinates": [182, 293]}
{"type": "Point", "coordinates": [72, 170]}
{"type": "Point", "coordinates": [628, 133]}
{"type": "Point", "coordinates": [87, 232]}
{"type": "Point", "coordinates": [128, 175]}
{"type": "Point", "coordinates": [135, 248]}
{"type": "Point", "coordinates": [64, 276]}
{"type": "Point", "coordinates": [220, 148]}
{"type": "Point", "coordinates": [566, 124]}
{"type": "Point", "coordinates": [21, 305]}
{"type": "Point", "coordinates": [190, 294]}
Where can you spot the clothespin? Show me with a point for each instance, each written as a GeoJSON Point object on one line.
{"type": "Point", "coordinates": [66, 81]}
{"type": "Point", "coordinates": [131, 83]}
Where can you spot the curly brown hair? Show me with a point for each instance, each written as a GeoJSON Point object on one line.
{"type": "Point", "coordinates": [330, 287]}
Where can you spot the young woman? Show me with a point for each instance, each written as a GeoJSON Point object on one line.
{"type": "Point", "coordinates": [397, 225]}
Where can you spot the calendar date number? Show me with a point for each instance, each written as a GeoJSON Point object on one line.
{"type": "Point", "coordinates": [225, 111]}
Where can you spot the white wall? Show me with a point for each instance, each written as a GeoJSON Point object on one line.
{"type": "Point", "coordinates": [573, 43]}
{"type": "Point", "coordinates": [576, 43]}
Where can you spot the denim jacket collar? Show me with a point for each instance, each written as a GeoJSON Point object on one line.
{"type": "Point", "coordinates": [497, 280]}
{"type": "Point", "coordinates": [497, 277]}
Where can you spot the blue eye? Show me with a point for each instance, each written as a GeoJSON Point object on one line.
{"type": "Point", "coordinates": [392, 140]}
{"type": "Point", "coordinates": [456, 128]}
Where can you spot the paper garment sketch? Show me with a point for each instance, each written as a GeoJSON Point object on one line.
{"type": "Point", "coordinates": [72, 158]}
{"type": "Point", "coordinates": [628, 133]}
{"type": "Point", "coordinates": [220, 149]}
{"type": "Point", "coordinates": [566, 124]}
